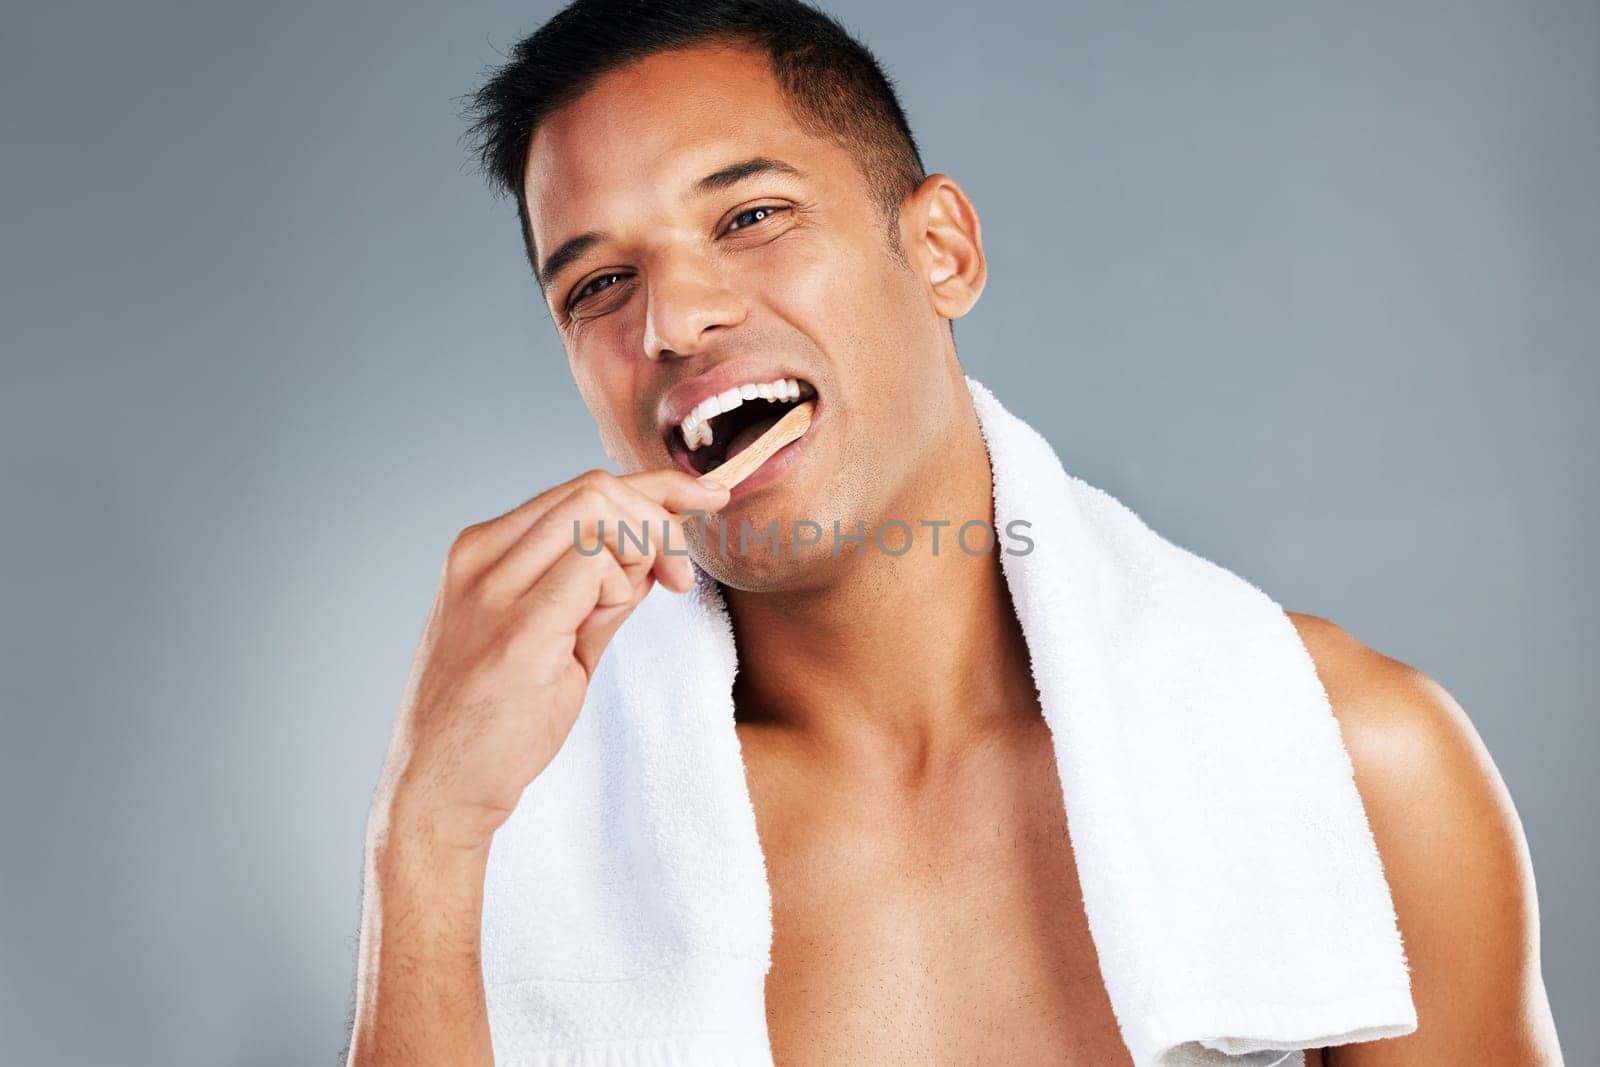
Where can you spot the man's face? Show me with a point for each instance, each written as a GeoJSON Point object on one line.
{"type": "Point", "coordinates": [782, 271]}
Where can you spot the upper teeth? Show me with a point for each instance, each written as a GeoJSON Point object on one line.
{"type": "Point", "coordinates": [696, 426]}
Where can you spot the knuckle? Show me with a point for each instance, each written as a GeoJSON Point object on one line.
{"type": "Point", "coordinates": [594, 478]}
{"type": "Point", "coordinates": [469, 537]}
{"type": "Point", "coordinates": [467, 549]}
{"type": "Point", "coordinates": [608, 566]}
{"type": "Point", "coordinates": [593, 502]}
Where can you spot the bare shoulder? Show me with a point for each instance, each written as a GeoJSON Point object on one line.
{"type": "Point", "coordinates": [1455, 857]}
{"type": "Point", "coordinates": [1396, 721]}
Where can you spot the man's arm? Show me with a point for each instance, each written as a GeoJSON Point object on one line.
{"type": "Point", "coordinates": [420, 988]}
{"type": "Point", "coordinates": [1455, 858]}
{"type": "Point", "coordinates": [516, 631]}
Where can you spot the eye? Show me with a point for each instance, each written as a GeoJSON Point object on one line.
{"type": "Point", "coordinates": [755, 214]}
{"type": "Point", "coordinates": [591, 287]}
{"type": "Point", "coordinates": [606, 281]}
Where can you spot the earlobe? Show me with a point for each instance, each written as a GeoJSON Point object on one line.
{"type": "Point", "coordinates": [950, 246]}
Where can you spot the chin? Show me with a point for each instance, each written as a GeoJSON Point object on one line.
{"type": "Point", "coordinates": [785, 562]}
{"type": "Point", "coordinates": [812, 569]}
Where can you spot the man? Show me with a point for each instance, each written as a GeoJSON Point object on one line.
{"type": "Point", "coordinates": [723, 194]}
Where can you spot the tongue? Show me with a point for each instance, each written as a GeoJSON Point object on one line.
{"type": "Point", "coordinates": [748, 434]}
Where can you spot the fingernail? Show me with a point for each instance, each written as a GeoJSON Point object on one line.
{"type": "Point", "coordinates": [712, 483]}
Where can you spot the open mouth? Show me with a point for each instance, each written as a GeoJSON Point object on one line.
{"type": "Point", "coordinates": [722, 426]}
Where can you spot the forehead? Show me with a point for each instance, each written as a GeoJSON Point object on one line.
{"type": "Point", "coordinates": [644, 133]}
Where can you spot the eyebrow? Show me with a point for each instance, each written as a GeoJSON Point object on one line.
{"type": "Point", "coordinates": [738, 172]}
{"type": "Point", "coordinates": [717, 180]}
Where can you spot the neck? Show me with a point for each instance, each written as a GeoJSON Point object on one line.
{"type": "Point", "coordinates": [899, 663]}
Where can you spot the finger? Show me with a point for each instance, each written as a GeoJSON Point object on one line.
{"type": "Point", "coordinates": [678, 491]}
{"type": "Point", "coordinates": [595, 634]}
{"type": "Point", "coordinates": [590, 520]}
{"type": "Point", "coordinates": [486, 541]}
{"type": "Point", "coordinates": [478, 546]}
{"type": "Point", "coordinates": [566, 595]}
{"type": "Point", "coordinates": [672, 568]}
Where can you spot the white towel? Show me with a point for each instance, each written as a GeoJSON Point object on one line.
{"type": "Point", "coordinates": [1230, 879]}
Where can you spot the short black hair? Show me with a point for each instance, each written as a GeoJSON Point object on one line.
{"type": "Point", "coordinates": [836, 88]}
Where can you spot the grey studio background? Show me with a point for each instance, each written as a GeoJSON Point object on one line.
{"type": "Point", "coordinates": [1314, 288]}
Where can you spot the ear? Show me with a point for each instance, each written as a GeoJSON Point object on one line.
{"type": "Point", "coordinates": [939, 227]}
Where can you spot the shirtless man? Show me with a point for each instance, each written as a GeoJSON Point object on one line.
{"type": "Point", "coordinates": [687, 218]}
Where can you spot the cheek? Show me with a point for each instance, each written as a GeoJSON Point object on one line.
{"type": "Point", "coordinates": [833, 292]}
{"type": "Point", "coordinates": [607, 393]}
{"type": "Point", "coordinates": [859, 304]}
{"type": "Point", "coordinates": [799, 275]}
{"type": "Point", "coordinates": [841, 280]}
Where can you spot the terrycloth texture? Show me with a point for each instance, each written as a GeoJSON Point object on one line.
{"type": "Point", "coordinates": [1231, 883]}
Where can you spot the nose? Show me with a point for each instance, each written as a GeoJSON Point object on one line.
{"type": "Point", "coordinates": [686, 303]}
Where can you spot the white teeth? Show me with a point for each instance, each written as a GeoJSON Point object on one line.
{"type": "Point", "coordinates": [691, 430]}
{"type": "Point", "coordinates": [696, 426]}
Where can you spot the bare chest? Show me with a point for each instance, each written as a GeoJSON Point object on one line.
{"type": "Point", "coordinates": [938, 928]}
